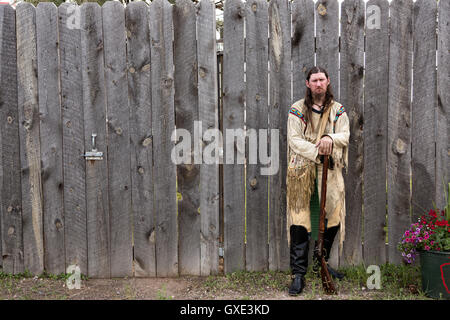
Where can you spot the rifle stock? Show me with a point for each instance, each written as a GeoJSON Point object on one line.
{"type": "Point", "coordinates": [327, 281]}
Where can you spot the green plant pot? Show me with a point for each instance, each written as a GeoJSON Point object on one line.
{"type": "Point", "coordinates": [435, 268]}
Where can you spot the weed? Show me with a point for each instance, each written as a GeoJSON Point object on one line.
{"type": "Point", "coordinates": [25, 274]}
{"type": "Point", "coordinates": [161, 294]}
{"type": "Point", "coordinates": [51, 276]}
{"type": "Point", "coordinates": [130, 293]}
{"type": "Point", "coordinates": [61, 276]}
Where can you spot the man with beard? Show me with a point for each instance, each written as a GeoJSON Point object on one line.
{"type": "Point", "coordinates": [317, 126]}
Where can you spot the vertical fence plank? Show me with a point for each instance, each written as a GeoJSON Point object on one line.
{"type": "Point", "coordinates": [257, 120]}
{"type": "Point", "coordinates": [327, 40]}
{"type": "Point", "coordinates": [2, 19]}
{"type": "Point", "coordinates": [443, 107]}
{"type": "Point", "coordinates": [139, 95]}
{"type": "Point", "coordinates": [30, 157]}
{"type": "Point", "coordinates": [399, 124]}
{"type": "Point", "coordinates": [186, 112]}
{"type": "Point", "coordinates": [75, 227]}
{"type": "Point", "coordinates": [375, 131]}
{"type": "Point", "coordinates": [351, 97]}
{"type": "Point", "coordinates": [233, 119]}
{"type": "Point", "coordinates": [94, 108]}
{"type": "Point", "coordinates": [423, 107]}
{"type": "Point", "coordinates": [119, 175]}
{"type": "Point", "coordinates": [302, 44]}
{"type": "Point", "coordinates": [164, 170]}
{"type": "Point", "coordinates": [327, 56]}
{"type": "Point", "coordinates": [1, 166]}
{"type": "Point", "coordinates": [208, 115]}
{"type": "Point", "coordinates": [11, 195]}
{"type": "Point", "coordinates": [303, 51]}
{"type": "Point", "coordinates": [279, 103]}
{"type": "Point", "coordinates": [51, 137]}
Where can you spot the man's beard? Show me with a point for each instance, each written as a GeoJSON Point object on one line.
{"type": "Point", "coordinates": [318, 96]}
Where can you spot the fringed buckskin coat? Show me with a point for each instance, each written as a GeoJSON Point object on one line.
{"type": "Point", "coordinates": [303, 157]}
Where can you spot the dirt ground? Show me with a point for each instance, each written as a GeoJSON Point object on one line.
{"type": "Point", "coordinates": [190, 288]}
{"type": "Point", "coordinates": [187, 287]}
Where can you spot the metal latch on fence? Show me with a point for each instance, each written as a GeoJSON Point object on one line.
{"type": "Point", "coordinates": [94, 154]}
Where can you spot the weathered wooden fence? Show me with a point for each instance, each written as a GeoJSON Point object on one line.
{"type": "Point", "coordinates": [119, 81]}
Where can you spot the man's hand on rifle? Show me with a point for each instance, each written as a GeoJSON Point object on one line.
{"type": "Point", "coordinates": [325, 145]}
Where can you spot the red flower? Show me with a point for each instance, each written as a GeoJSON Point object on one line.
{"type": "Point", "coordinates": [432, 213]}
{"type": "Point", "coordinates": [442, 223]}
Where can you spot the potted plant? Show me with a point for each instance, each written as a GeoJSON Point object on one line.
{"type": "Point", "coordinates": [430, 238]}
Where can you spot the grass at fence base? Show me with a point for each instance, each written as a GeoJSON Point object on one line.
{"type": "Point", "coordinates": [397, 282]}
{"type": "Point", "coordinates": [250, 282]}
{"type": "Point", "coordinates": [45, 275]}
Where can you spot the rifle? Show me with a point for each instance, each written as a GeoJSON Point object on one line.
{"type": "Point", "coordinates": [327, 282]}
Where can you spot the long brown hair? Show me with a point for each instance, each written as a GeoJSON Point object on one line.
{"type": "Point", "coordinates": [309, 99]}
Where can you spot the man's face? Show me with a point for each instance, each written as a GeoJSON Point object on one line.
{"type": "Point", "coordinates": [318, 83]}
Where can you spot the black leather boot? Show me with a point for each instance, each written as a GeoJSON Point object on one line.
{"type": "Point", "coordinates": [298, 258]}
{"type": "Point", "coordinates": [328, 238]}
